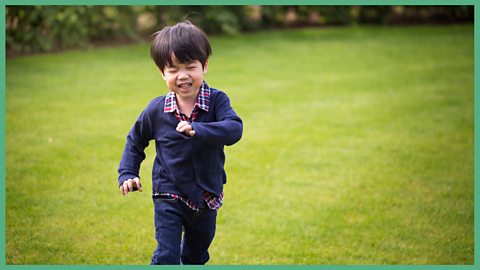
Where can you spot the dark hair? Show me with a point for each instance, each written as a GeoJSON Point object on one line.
{"type": "Point", "coordinates": [184, 40]}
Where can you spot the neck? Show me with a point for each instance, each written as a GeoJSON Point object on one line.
{"type": "Point", "coordinates": [186, 105]}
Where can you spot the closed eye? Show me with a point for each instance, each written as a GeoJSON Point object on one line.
{"type": "Point", "coordinates": [171, 70]}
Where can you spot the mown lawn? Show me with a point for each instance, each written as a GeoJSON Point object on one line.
{"type": "Point", "coordinates": [357, 149]}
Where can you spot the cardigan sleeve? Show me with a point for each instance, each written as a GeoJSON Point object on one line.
{"type": "Point", "coordinates": [228, 128]}
{"type": "Point", "coordinates": [133, 154]}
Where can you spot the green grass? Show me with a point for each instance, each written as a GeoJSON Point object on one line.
{"type": "Point", "coordinates": [357, 149]}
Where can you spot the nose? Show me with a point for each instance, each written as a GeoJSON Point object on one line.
{"type": "Point", "coordinates": [182, 75]}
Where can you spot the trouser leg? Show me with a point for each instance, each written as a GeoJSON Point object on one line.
{"type": "Point", "coordinates": [168, 231]}
{"type": "Point", "coordinates": [198, 236]}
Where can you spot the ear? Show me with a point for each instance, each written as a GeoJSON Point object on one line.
{"type": "Point", "coordinates": [161, 73]}
{"type": "Point", "coordinates": [205, 67]}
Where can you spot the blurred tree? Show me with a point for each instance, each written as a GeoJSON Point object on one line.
{"type": "Point", "coordinates": [47, 28]}
{"type": "Point", "coordinates": [374, 14]}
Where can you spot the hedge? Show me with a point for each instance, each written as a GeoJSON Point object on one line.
{"type": "Point", "coordinates": [47, 28]}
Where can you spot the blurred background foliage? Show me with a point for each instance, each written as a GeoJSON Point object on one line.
{"type": "Point", "coordinates": [31, 29]}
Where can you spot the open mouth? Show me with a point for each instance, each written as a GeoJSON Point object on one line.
{"type": "Point", "coordinates": [185, 85]}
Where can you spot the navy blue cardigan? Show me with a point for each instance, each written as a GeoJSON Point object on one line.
{"type": "Point", "coordinates": [183, 165]}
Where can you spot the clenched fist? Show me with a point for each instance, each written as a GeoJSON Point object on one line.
{"type": "Point", "coordinates": [130, 185]}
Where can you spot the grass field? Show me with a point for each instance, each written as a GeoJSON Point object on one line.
{"type": "Point", "coordinates": [357, 149]}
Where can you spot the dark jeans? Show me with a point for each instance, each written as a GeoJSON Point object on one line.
{"type": "Point", "coordinates": [172, 219]}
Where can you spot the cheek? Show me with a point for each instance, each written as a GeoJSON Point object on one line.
{"type": "Point", "coordinates": [200, 75]}
{"type": "Point", "coordinates": [169, 80]}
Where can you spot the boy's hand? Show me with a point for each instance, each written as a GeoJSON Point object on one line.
{"type": "Point", "coordinates": [129, 184]}
{"type": "Point", "coordinates": [186, 128]}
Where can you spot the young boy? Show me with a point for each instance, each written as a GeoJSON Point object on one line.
{"type": "Point", "coordinates": [190, 126]}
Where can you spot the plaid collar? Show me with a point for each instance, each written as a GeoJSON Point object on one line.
{"type": "Point", "coordinates": [202, 102]}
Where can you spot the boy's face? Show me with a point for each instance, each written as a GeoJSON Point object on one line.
{"type": "Point", "coordinates": [184, 79]}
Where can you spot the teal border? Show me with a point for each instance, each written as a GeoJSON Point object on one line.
{"type": "Point", "coordinates": [476, 135]}
{"type": "Point", "coordinates": [2, 138]}
{"type": "Point", "coordinates": [476, 5]}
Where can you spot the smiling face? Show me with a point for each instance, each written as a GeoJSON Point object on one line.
{"type": "Point", "coordinates": [181, 53]}
{"type": "Point", "coordinates": [184, 79]}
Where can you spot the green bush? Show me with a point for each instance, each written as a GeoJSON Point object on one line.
{"type": "Point", "coordinates": [34, 28]}
{"type": "Point", "coordinates": [212, 19]}
{"type": "Point", "coordinates": [47, 28]}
